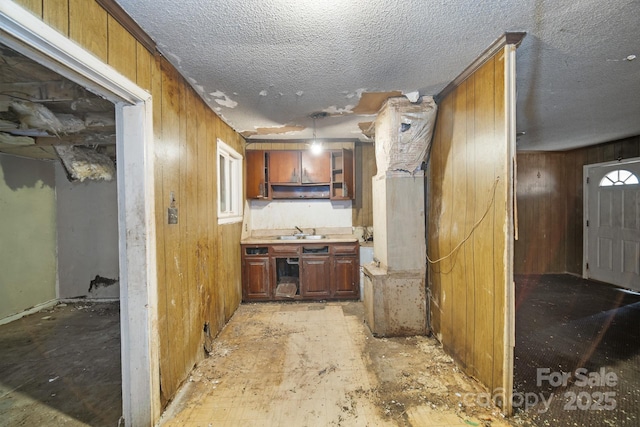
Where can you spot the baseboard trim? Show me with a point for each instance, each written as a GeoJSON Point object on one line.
{"type": "Point", "coordinates": [34, 309]}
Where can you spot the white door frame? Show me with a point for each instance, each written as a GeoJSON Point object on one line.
{"type": "Point", "coordinates": [25, 33]}
{"type": "Point", "coordinates": [585, 206]}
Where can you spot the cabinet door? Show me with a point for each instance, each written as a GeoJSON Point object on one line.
{"type": "Point", "coordinates": [256, 170]}
{"type": "Point", "coordinates": [316, 277]}
{"type": "Point", "coordinates": [316, 168]}
{"type": "Point", "coordinates": [256, 278]}
{"type": "Point", "coordinates": [346, 277]}
{"type": "Point", "coordinates": [284, 167]}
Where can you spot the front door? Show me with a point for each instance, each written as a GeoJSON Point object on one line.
{"type": "Point", "coordinates": [612, 223]}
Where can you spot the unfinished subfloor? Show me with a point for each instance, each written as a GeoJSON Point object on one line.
{"type": "Point", "coordinates": [565, 323]}
{"type": "Point", "coordinates": [316, 364]}
{"type": "Point", "coordinates": [61, 366]}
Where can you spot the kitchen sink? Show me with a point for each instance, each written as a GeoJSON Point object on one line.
{"type": "Point", "coordinates": [287, 237]}
{"type": "Point", "coordinates": [301, 236]}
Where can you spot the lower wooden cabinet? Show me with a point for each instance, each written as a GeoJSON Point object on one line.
{"type": "Point", "coordinates": [316, 277]}
{"type": "Point", "coordinates": [300, 271]}
{"type": "Point", "coordinates": [256, 278]}
{"type": "Point", "coordinates": [346, 276]}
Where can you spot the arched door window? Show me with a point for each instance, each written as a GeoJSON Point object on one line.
{"type": "Point", "coordinates": [618, 177]}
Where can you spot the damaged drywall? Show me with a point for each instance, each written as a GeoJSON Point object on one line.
{"type": "Point", "coordinates": [101, 282]}
{"type": "Point", "coordinates": [87, 230]}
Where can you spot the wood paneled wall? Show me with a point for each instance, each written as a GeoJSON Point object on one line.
{"type": "Point", "coordinates": [550, 205]}
{"type": "Point", "coordinates": [362, 207]}
{"type": "Point", "coordinates": [365, 171]}
{"type": "Point", "coordinates": [469, 205]}
{"type": "Point", "coordinates": [541, 196]}
{"type": "Point", "coordinates": [199, 278]}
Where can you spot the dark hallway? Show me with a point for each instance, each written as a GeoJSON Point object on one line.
{"type": "Point", "coordinates": [565, 324]}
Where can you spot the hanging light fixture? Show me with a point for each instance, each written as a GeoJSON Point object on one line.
{"type": "Point", "coordinates": [316, 146]}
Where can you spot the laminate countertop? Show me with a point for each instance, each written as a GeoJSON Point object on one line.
{"type": "Point", "coordinates": [273, 240]}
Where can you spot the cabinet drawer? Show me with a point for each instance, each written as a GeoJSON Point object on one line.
{"type": "Point", "coordinates": [285, 250]}
{"type": "Point", "coordinates": [249, 251]}
{"type": "Point", "coordinates": [345, 249]}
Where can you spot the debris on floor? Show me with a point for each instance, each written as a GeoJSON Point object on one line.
{"type": "Point", "coordinates": [317, 364]}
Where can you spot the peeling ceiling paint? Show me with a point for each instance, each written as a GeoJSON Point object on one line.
{"type": "Point", "coordinates": [283, 60]}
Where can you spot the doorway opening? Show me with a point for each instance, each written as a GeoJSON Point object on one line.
{"type": "Point", "coordinates": [29, 36]}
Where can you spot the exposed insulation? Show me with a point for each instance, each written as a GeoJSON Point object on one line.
{"type": "Point", "coordinates": [32, 115]}
{"type": "Point", "coordinates": [70, 123]}
{"type": "Point", "coordinates": [85, 163]}
{"type": "Point", "coordinates": [13, 140]}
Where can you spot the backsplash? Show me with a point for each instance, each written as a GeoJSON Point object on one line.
{"type": "Point", "coordinates": [286, 214]}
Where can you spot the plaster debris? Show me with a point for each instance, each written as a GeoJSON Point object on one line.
{"type": "Point", "coordinates": [225, 101]}
{"type": "Point", "coordinates": [300, 93]}
{"type": "Point", "coordinates": [263, 92]}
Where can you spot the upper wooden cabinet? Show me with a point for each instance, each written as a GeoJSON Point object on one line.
{"type": "Point", "coordinates": [289, 174]}
{"type": "Point", "coordinates": [256, 184]}
{"type": "Point", "coordinates": [315, 167]}
{"type": "Point", "coordinates": [299, 167]}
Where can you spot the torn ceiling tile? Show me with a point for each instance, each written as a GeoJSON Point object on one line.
{"type": "Point", "coordinates": [278, 130]}
{"type": "Point", "coordinates": [371, 102]}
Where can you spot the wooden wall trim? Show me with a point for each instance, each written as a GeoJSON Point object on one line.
{"type": "Point", "coordinates": [118, 13]}
{"type": "Point", "coordinates": [508, 38]}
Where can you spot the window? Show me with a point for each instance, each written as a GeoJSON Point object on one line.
{"type": "Point", "coordinates": [618, 177]}
{"type": "Point", "coordinates": [229, 184]}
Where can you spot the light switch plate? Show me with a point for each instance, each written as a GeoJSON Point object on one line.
{"type": "Point", "coordinates": [172, 214]}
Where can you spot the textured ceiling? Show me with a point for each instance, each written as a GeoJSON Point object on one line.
{"type": "Point", "coordinates": [266, 65]}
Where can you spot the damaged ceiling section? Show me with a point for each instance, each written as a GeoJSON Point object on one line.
{"type": "Point", "coordinates": [45, 116]}
{"type": "Point", "coordinates": [358, 117]}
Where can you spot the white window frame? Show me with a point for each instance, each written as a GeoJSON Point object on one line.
{"type": "Point", "coordinates": [233, 182]}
